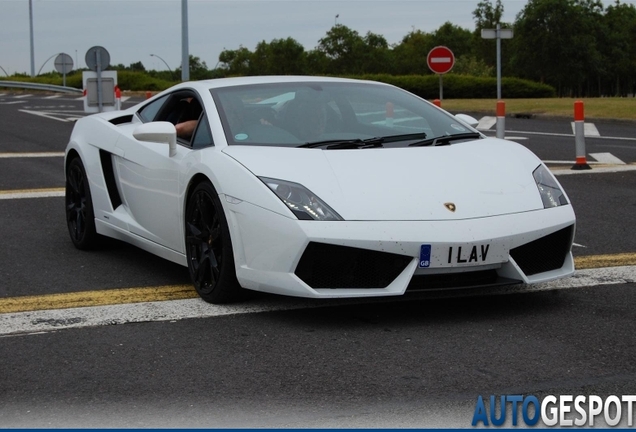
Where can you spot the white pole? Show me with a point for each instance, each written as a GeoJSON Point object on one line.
{"type": "Point", "coordinates": [185, 56]}
{"type": "Point", "coordinates": [498, 61]}
{"type": "Point", "coordinates": [31, 35]}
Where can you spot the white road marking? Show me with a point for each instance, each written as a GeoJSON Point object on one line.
{"type": "Point", "coordinates": [589, 130]}
{"type": "Point", "coordinates": [124, 98]}
{"type": "Point", "coordinates": [12, 102]}
{"type": "Point", "coordinates": [46, 115]}
{"type": "Point", "coordinates": [44, 193]}
{"type": "Point", "coordinates": [578, 245]}
{"type": "Point", "coordinates": [486, 122]}
{"type": "Point", "coordinates": [53, 320]}
{"type": "Point", "coordinates": [53, 96]}
{"type": "Point", "coordinates": [598, 170]}
{"type": "Point", "coordinates": [572, 136]}
{"type": "Point", "coordinates": [31, 155]}
{"type": "Point", "coordinates": [80, 98]}
{"type": "Point", "coordinates": [566, 162]}
{"type": "Point", "coordinates": [22, 96]}
{"type": "Point", "coordinates": [607, 158]}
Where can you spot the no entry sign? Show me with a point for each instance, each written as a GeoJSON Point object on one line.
{"type": "Point", "coordinates": [440, 60]}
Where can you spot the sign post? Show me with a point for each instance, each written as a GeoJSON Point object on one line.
{"type": "Point", "coordinates": [440, 60]}
{"type": "Point", "coordinates": [63, 64]}
{"type": "Point", "coordinates": [98, 59]}
{"type": "Point", "coordinates": [498, 34]}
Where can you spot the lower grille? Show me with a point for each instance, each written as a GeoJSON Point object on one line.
{"type": "Point", "coordinates": [544, 254]}
{"type": "Point", "coordinates": [473, 279]}
{"type": "Point", "coordinates": [331, 266]}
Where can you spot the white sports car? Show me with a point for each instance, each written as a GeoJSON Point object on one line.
{"type": "Point", "coordinates": [315, 187]}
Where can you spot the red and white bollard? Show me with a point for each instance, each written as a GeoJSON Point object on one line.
{"type": "Point", "coordinates": [437, 102]}
{"type": "Point", "coordinates": [148, 94]}
{"type": "Point", "coordinates": [501, 119]}
{"type": "Point", "coordinates": [579, 137]}
{"type": "Point", "coordinates": [389, 114]}
{"type": "Point", "coordinates": [117, 98]}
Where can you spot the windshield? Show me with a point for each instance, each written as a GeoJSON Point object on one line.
{"type": "Point", "coordinates": [301, 113]}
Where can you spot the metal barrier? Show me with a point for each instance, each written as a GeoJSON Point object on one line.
{"type": "Point", "coordinates": [37, 86]}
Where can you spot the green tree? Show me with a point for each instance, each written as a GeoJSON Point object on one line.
{"type": "Point", "coordinates": [488, 16]}
{"type": "Point", "coordinates": [618, 45]}
{"type": "Point", "coordinates": [410, 54]}
{"type": "Point", "coordinates": [279, 57]}
{"type": "Point", "coordinates": [457, 39]}
{"type": "Point", "coordinates": [137, 67]}
{"type": "Point", "coordinates": [555, 43]}
{"type": "Point", "coordinates": [198, 69]}
{"type": "Point", "coordinates": [236, 62]}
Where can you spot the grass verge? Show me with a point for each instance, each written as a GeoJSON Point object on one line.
{"type": "Point", "coordinates": [600, 108]}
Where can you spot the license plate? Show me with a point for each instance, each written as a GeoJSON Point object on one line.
{"type": "Point", "coordinates": [461, 254]}
{"type": "Point", "coordinates": [468, 254]}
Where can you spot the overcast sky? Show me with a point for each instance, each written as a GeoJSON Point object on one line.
{"type": "Point", "coordinates": [131, 30]}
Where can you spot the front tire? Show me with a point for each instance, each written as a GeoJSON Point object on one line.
{"type": "Point", "coordinates": [80, 217]}
{"type": "Point", "coordinates": [209, 247]}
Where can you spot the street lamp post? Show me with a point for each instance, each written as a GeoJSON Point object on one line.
{"type": "Point", "coordinates": [185, 54]}
{"type": "Point", "coordinates": [46, 61]}
{"type": "Point", "coordinates": [164, 62]}
{"type": "Point", "coordinates": [31, 38]}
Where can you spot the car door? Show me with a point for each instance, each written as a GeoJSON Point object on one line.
{"type": "Point", "coordinates": [149, 179]}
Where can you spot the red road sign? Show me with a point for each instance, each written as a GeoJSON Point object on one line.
{"type": "Point", "coordinates": [440, 60]}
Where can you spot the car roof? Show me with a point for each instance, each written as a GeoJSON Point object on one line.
{"type": "Point", "coordinates": [238, 81]}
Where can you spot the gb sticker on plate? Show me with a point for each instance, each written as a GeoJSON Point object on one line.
{"type": "Point", "coordinates": [425, 256]}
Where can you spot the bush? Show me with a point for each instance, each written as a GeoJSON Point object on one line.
{"type": "Point", "coordinates": [465, 87]}
{"type": "Point", "coordinates": [126, 80]}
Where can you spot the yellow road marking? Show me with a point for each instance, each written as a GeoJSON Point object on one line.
{"type": "Point", "coordinates": [96, 298]}
{"type": "Point", "coordinates": [30, 191]}
{"type": "Point", "coordinates": [598, 261]}
{"type": "Point", "coordinates": [179, 292]}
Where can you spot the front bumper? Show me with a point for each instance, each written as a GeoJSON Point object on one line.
{"type": "Point", "coordinates": [380, 258]}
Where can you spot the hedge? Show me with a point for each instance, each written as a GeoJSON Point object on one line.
{"type": "Point", "coordinates": [465, 87]}
{"type": "Point", "coordinates": [426, 86]}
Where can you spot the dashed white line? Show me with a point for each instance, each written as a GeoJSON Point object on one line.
{"type": "Point", "coordinates": [22, 96]}
{"type": "Point", "coordinates": [589, 129]}
{"type": "Point", "coordinates": [486, 122]}
{"type": "Point", "coordinates": [607, 158]}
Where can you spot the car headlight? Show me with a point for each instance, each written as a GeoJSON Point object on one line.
{"type": "Point", "coordinates": [549, 189]}
{"type": "Point", "coordinates": [302, 202]}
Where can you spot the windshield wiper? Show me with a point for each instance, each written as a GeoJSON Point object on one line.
{"type": "Point", "coordinates": [446, 139]}
{"type": "Point", "coordinates": [340, 144]}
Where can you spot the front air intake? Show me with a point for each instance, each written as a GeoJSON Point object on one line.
{"type": "Point", "coordinates": [331, 266]}
{"type": "Point", "coordinates": [544, 254]}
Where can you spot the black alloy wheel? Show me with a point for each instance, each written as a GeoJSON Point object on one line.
{"type": "Point", "coordinates": [209, 247]}
{"type": "Point", "coordinates": [80, 217]}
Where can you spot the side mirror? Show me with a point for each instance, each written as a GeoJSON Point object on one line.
{"type": "Point", "coordinates": [158, 132]}
{"type": "Point", "coordinates": [470, 121]}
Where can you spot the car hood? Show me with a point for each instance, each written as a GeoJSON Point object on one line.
{"type": "Point", "coordinates": [482, 178]}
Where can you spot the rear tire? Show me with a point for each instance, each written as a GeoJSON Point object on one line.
{"type": "Point", "coordinates": [209, 247]}
{"type": "Point", "coordinates": [80, 217]}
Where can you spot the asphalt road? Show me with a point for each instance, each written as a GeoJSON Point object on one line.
{"type": "Point", "coordinates": [387, 363]}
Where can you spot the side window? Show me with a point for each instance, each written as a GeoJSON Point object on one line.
{"type": "Point", "coordinates": [150, 111]}
{"type": "Point", "coordinates": [203, 135]}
